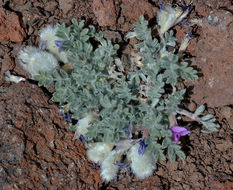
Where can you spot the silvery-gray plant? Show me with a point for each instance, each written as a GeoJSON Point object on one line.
{"type": "Point", "coordinates": [126, 118]}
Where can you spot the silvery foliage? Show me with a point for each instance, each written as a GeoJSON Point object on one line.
{"type": "Point", "coordinates": [144, 97]}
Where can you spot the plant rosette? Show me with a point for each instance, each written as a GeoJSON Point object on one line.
{"type": "Point", "coordinates": [126, 121]}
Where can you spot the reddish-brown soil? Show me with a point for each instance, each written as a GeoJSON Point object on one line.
{"type": "Point", "coordinates": [36, 147]}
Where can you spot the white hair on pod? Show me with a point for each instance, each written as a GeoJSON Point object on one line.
{"type": "Point", "coordinates": [99, 151]}
{"type": "Point", "coordinates": [143, 166]}
{"type": "Point", "coordinates": [83, 125]}
{"type": "Point", "coordinates": [108, 169]}
{"type": "Point", "coordinates": [34, 60]}
{"type": "Point", "coordinates": [168, 17]}
{"type": "Point", "coordinates": [12, 78]}
{"type": "Point", "coordinates": [47, 41]}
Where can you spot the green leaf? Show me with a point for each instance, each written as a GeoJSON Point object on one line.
{"type": "Point", "coordinates": [155, 92]}
{"type": "Point", "coordinates": [207, 117]}
{"type": "Point", "coordinates": [105, 102]}
{"type": "Point", "coordinates": [141, 29]}
{"type": "Point", "coordinates": [72, 128]}
{"type": "Point", "coordinates": [63, 73]}
{"type": "Point", "coordinates": [171, 153]}
{"type": "Point", "coordinates": [60, 95]}
{"type": "Point", "coordinates": [210, 126]}
{"type": "Point", "coordinates": [44, 79]}
{"type": "Point", "coordinates": [169, 63]}
{"type": "Point", "coordinates": [186, 72]}
{"type": "Point", "coordinates": [63, 32]}
{"type": "Point", "coordinates": [173, 101]}
{"type": "Point", "coordinates": [180, 154]}
{"type": "Point", "coordinates": [199, 110]}
{"type": "Point", "coordinates": [166, 142]}
{"type": "Point", "coordinates": [169, 38]}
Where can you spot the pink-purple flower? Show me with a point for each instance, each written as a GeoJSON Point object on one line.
{"type": "Point", "coordinates": [82, 139]}
{"type": "Point", "coordinates": [178, 132]}
{"type": "Point", "coordinates": [95, 165]}
{"type": "Point", "coordinates": [142, 148]}
{"type": "Point", "coordinates": [60, 44]}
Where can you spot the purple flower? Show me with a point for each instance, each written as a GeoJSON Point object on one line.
{"type": "Point", "coordinates": [121, 165]}
{"type": "Point", "coordinates": [184, 7]}
{"type": "Point", "coordinates": [189, 35]}
{"type": "Point", "coordinates": [65, 116]}
{"type": "Point", "coordinates": [82, 139]}
{"type": "Point", "coordinates": [115, 180]}
{"type": "Point", "coordinates": [190, 8]}
{"type": "Point", "coordinates": [7, 74]}
{"type": "Point", "coordinates": [42, 45]}
{"type": "Point", "coordinates": [178, 132]}
{"type": "Point", "coordinates": [186, 23]}
{"type": "Point", "coordinates": [95, 165]}
{"type": "Point", "coordinates": [161, 4]}
{"type": "Point", "coordinates": [141, 148]}
{"type": "Point", "coordinates": [60, 44]}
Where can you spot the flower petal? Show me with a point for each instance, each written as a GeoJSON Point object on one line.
{"type": "Point", "coordinates": [141, 148]}
{"type": "Point", "coordinates": [176, 137]}
{"type": "Point", "coordinates": [183, 133]}
{"type": "Point", "coordinates": [178, 129]}
{"type": "Point", "coordinates": [178, 132]}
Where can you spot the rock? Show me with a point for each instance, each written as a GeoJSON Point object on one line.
{"type": "Point", "coordinates": [231, 166]}
{"type": "Point", "coordinates": [105, 12]}
{"type": "Point", "coordinates": [196, 176]}
{"type": "Point", "coordinates": [160, 172]}
{"type": "Point", "coordinates": [66, 6]}
{"type": "Point", "coordinates": [6, 64]}
{"type": "Point", "coordinates": [226, 112]}
{"type": "Point", "coordinates": [177, 175]}
{"type": "Point", "coordinates": [172, 166]}
{"type": "Point", "coordinates": [133, 9]}
{"type": "Point", "coordinates": [222, 186]}
{"type": "Point", "coordinates": [224, 146]}
{"type": "Point", "coordinates": [231, 123]}
{"type": "Point", "coordinates": [185, 186]}
{"type": "Point", "coordinates": [51, 6]}
{"type": "Point", "coordinates": [214, 58]}
{"type": "Point", "coordinates": [113, 36]}
{"type": "Point", "coordinates": [217, 4]}
{"type": "Point", "coordinates": [192, 106]}
{"type": "Point", "coordinates": [10, 28]}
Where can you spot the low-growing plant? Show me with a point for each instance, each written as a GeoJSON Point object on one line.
{"type": "Point", "coordinates": [126, 116]}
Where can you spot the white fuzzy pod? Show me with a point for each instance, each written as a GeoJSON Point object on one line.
{"type": "Point", "coordinates": [142, 165]}
{"type": "Point", "coordinates": [12, 78]}
{"type": "Point", "coordinates": [184, 44]}
{"type": "Point", "coordinates": [48, 36]}
{"type": "Point", "coordinates": [168, 16]}
{"type": "Point", "coordinates": [99, 151]}
{"type": "Point", "coordinates": [83, 125]}
{"type": "Point", "coordinates": [108, 169]}
{"type": "Point", "coordinates": [34, 60]}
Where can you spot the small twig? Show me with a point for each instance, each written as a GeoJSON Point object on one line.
{"type": "Point", "coordinates": [188, 114]}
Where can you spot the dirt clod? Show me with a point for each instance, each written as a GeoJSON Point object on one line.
{"type": "Point", "coordinates": [214, 50]}
{"type": "Point", "coordinates": [10, 28]}
{"type": "Point", "coordinates": [133, 9]}
{"type": "Point", "coordinates": [66, 6]}
{"type": "Point", "coordinates": [105, 12]}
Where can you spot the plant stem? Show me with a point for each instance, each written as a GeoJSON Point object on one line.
{"type": "Point", "coordinates": [188, 114]}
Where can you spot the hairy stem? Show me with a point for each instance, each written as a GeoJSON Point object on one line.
{"type": "Point", "coordinates": [188, 114]}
